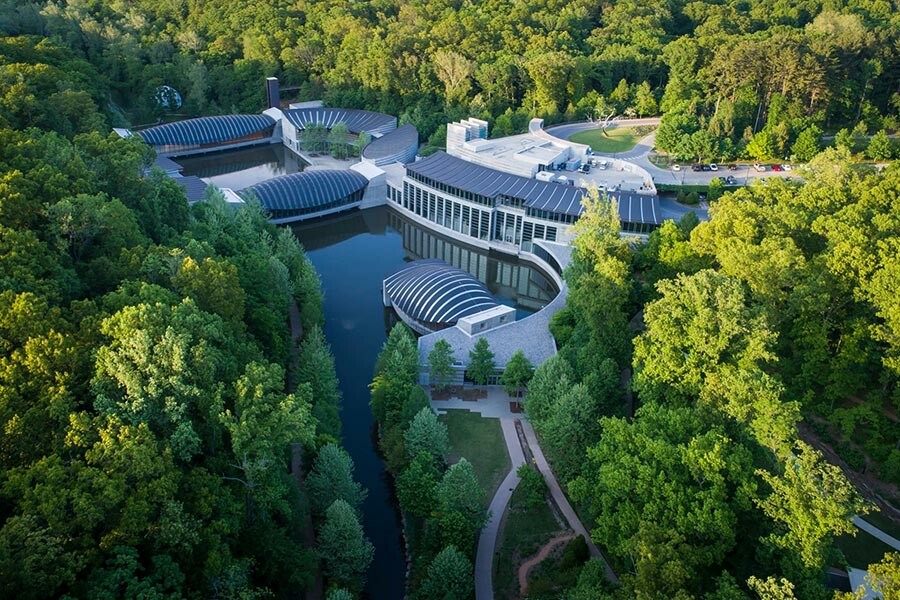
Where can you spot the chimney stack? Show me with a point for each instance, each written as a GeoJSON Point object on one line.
{"type": "Point", "coordinates": [273, 92]}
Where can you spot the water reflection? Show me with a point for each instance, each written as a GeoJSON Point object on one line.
{"type": "Point", "coordinates": [353, 253]}
{"type": "Point", "coordinates": [238, 169]}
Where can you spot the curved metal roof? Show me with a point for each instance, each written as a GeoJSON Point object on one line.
{"type": "Point", "coordinates": [205, 130]}
{"type": "Point", "coordinates": [399, 145]}
{"type": "Point", "coordinates": [308, 189]}
{"type": "Point", "coordinates": [431, 291]}
{"type": "Point", "coordinates": [356, 120]}
{"type": "Point", "coordinates": [538, 195]}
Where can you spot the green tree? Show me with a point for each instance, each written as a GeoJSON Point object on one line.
{"type": "Point", "coordinates": [343, 548]}
{"type": "Point", "coordinates": [762, 146]}
{"type": "Point", "coordinates": [261, 425]}
{"type": "Point", "coordinates": [449, 576]}
{"type": "Point", "coordinates": [700, 322]}
{"type": "Point", "coordinates": [440, 364]}
{"type": "Point", "coordinates": [315, 367]}
{"type": "Point", "coordinates": [363, 140]}
{"type": "Point", "coordinates": [517, 374]}
{"type": "Point", "coordinates": [808, 144]}
{"type": "Point", "coordinates": [669, 490]}
{"type": "Point", "coordinates": [331, 478]}
{"type": "Point", "coordinates": [550, 381]}
{"type": "Point", "coordinates": [339, 594]}
{"type": "Point", "coordinates": [338, 139]}
{"type": "Point", "coordinates": [884, 576]}
{"type": "Point", "coordinates": [715, 190]}
{"type": "Point", "coordinates": [481, 362]}
{"type": "Point", "coordinates": [845, 140]}
{"type": "Point", "coordinates": [460, 513]}
{"type": "Point", "coordinates": [644, 101]}
{"type": "Point", "coordinates": [880, 147]}
{"type": "Point", "coordinates": [214, 285]}
{"type": "Point", "coordinates": [416, 485]}
{"type": "Point", "coordinates": [427, 434]}
{"type": "Point", "coordinates": [812, 502]}
{"type": "Point", "coordinates": [574, 424]}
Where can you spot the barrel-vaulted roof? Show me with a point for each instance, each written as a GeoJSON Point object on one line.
{"type": "Point", "coordinates": [539, 195]}
{"type": "Point", "coordinates": [356, 120]}
{"type": "Point", "coordinates": [437, 294]}
{"type": "Point", "coordinates": [399, 145]}
{"type": "Point", "coordinates": [308, 189]}
{"type": "Point", "coordinates": [205, 130]}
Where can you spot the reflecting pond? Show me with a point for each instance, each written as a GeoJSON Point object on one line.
{"type": "Point", "coordinates": [353, 253]}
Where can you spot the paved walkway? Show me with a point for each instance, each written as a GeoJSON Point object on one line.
{"type": "Point", "coordinates": [877, 533]}
{"type": "Point", "coordinates": [561, 501]}
{"type": "Point", "coordinates": [496, 406]}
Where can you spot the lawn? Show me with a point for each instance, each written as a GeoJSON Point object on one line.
{"type": "Point", "coordinates": [480, 441]}
{"type": "Point", "coordinates": [862, 550]}
{"type": "Point", "coordinates": [617, 139]}
{"type": "Point", "coordinates": [524, 532]}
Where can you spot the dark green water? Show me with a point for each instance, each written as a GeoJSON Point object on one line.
{"type": "Point", "coordinates": [353, 253]}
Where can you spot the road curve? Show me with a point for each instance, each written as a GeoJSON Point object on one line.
{"type": "Point", "coordinates": [639, 155]}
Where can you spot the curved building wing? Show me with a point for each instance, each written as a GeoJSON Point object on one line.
{"type": "Point", "coordinates": [436, 295]}
{"type": "Point", "coordinates": [205, 131]}
{"type": "Point", "coordinates": [356, 120]}
{"type": "Point", "coordinates": [400, 145]}
{"type": "Point", "coordinates": [308, 192]}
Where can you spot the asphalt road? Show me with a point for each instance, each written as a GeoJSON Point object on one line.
{"type": "Point", "coordinates": [744, 175]}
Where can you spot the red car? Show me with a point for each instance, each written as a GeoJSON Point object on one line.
{"type": "Point", "coordinates": [777, 168]}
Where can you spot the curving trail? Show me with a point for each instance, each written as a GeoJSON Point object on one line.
{"type": "Point", "coordinates": [538, 558]}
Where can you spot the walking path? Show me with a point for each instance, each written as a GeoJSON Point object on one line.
{"type": "Point", "coordinates": [561, 501]}
{"type": "Point", "coordinates": [496, 406]}
{"type": "Point", "coordinates": [877, 533]}
{"type": "Point", "coordinates": [538, 559]}
{"type": "Point", "coordinates": [487, 540]}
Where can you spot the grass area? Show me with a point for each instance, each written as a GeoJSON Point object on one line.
{"type": "Point", "coordinates": [883, 523]}
{"type": "Point", "coordinates": [480, 441]}
{"type": "Point", "coordinates": [862, 549]}
{"type": "Point", "coordinates": [618, 139]}
{"type": "Point", "coordinates": [525, 531]}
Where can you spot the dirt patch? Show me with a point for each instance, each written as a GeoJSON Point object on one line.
{"type": "Point", "coordinates": [538, 558]}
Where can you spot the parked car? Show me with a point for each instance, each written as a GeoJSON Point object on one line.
{"type": "Point", "coordinates": [777, 168]}
{"type": "Point", "coordinates": [714, 167]}
{"type": "Point", "coordinates": [676, 167]}
{"type": "Point", "coordinates": [705, 168]}
{"type": "Point", "coordinates": [730, 180]}
{"type": "Point", "coordinates": [585, 168]}
{"type": "Point", "coordinates": [786, 167]}
{"type": "Point", "coordinates": [732, 167]}
{"type": "Point", "coordinates": [696, 168]}
{"type": "Point", "coordinates": [759, 167]}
